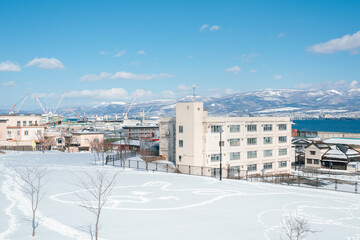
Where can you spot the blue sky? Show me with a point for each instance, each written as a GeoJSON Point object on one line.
{"type": "Point", "coordinates": [109, 51]}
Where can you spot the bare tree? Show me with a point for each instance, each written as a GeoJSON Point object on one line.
{"type": "Point", "coordinates": [95, 192]}
{"type": "Point", "coordinates": [296, 228]}
{"type": "Point", "coordinates": [31, 180]}
{"type": "Point", "coordinates": [93, 147]}
{"type": "Point", "coordinates": [45, 143]}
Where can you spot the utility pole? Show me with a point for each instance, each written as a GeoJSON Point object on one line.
{"type": "Point", "coordinates": [194, 94]}
{"type": "Point", "coordinates": [220, 144]}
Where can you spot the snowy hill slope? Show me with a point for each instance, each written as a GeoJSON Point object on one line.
{"type": "Point", "coordinates": [153, 205]}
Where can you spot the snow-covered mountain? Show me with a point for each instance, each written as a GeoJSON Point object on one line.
{"type": "Point", "coordinates": [284, 102]}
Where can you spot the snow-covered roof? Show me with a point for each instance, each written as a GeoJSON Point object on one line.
{"type": "Point", "coordinates": [348, 141]}
{"type": "Point", "coordinates": [87, 132]}
{"type": "Point", "coordinates": [341, 152]}
{"type": "Point", "coordinates": [128, 142]}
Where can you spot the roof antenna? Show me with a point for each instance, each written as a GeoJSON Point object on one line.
{"type": "Point", "coordinates": [194, 94]}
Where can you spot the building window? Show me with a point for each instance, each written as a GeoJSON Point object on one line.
{"type": "Point", "coordinates": [316, 161]}
{"type": "Point", "coordinates": [251, 154]}
{"type": "Point", "coordinates": [24, 123]}
{"type": "Point", "coordinates": [18, 123]}
{"type": "Point", "coordinates": [234, 142]}
{"type": "Point", "coordinates": [312, 152]}
{"type": "Point", "coordinates": [282, 164]}
{"type": "Point", "coordinates": [268, 153]}
{"type": "Point", "coordinates": [181, 143]}
{"type": "Point", "coordinates": [9, 134]}
{"type": "Point", "coordinates": [251, 167]}
{"type": "Point", "coordinates": [251, 128]}
{"type": "Point", "coordinates": [282, 127]}
{"type": "Point", "coordinates": [251, 141]}
{"type": "Point", "coordinates": [216, 129]}
{"type": "Point", "coordinates": [179, 158]}
{"type": "Point", "coordinates": [267, 127]}
{"type": "Point", "coordinates": [282, 151]}
{"type": "Point", "coordinates": [181, 129]}
{"type": "Point", "coordinates": [18, 132]}
{"type": "Point", "coordinates": [30, 123]}
{"type": "Point", "coordinates": [39, 133]}
{"type": "Point", "coordinates": [268, 140]}
{"type": "Point", "coordinates": [309, 161]}
{"type": "Point", "coordinates": [26, 133]}
{"type": "Point", "coordinates": [234, 128]}
{"type": "Point", "coordinates": [267, 165]}
{"type": "Point", "coordinates": [215, 157]}
{"type": "Point", "coordinates": [234, 155]}
{"type": "Point", "coordinates": [282, 139]}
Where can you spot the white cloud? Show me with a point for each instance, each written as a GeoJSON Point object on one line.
{"type": "Point", "coordinates": [280, 35]}
{"type": "Point", "coordinates": [183, 87]}
{"type": "Point", "coordinates": [278, 77]}
{"type": "Point", "coordinates": [9, 84]}
{"type": "Point", "coordinates": [47, 95]}
{"type": "Point", "coordinates": [168, 93]}
{"type": "Point", "coordinates": [142, 93]}
{"type": "Point", "coordinates": [102, 52]}
{"type": "Point", "coordinates": [229, 91]}
{"type": "Point", "coordinates": [191, 57]}
{"type": "Point", "coordinates": [247, 57]}
{"type": "Point", "coordinates": [234, 69]}
{"type": "Point", "coordinates": [94, 77]}
{"type": "Point", "coordinates": [346, 43]}
{"type": "Point", "coordinates": [45, 63]}
{"type": "Point", "coordinates": [253, 71]}
{"type": "Point", "coordinates": [9, 66]}
{"type": "Point", "coordinates": [214, 28]}
{"type": "Point", "coordinates": [121, 53]}
{"type": "Point", "coordinates": [113, 93]}
{"type": "Point", "coordinates": [353, 84]}
{"type": "Point", "coordinates": [341, 85]}
{"type": "Point", "coordinates": [123, 76]}
{"type": "Point", "coordinates": [204, 27]}
{"type": "Point", "coordinates": [141, 52]}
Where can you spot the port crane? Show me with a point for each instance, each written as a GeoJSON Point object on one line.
{"type": "Point", "coordinates": [61, 98]}
{"type": "Point", "coordinates": [21, 101]}
{"type": "Point", "coordinates": [125, 117]}
{"type": "Point", "coordinates": [38, 100]}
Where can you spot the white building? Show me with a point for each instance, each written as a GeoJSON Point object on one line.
{"type": "Point", "coordinates": [249, 144]}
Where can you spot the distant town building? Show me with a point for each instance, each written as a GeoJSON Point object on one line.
{"type": "Point", "coordinates": [82, 140]}
{"type": "Point", "coordinates": [21, 130]}
{"type": "Point", "coordinates": [252, 144]}
{"type": "Point", "coordinates": [141, 132]}
{"type": "Point", "coordinates": [332, 156]}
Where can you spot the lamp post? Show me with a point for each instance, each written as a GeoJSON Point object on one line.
{"type": "Point", "coordinates": [220, 144]}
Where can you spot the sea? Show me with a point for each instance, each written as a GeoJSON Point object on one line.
{"type": "Point", "coordinates": [348, 126]}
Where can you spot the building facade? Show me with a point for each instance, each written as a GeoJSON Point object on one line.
{"type": "Point", "coordinates": [254, 144]}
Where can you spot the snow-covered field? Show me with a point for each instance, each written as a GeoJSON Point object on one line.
{"type": "Point", "coordinates": [153, 205]}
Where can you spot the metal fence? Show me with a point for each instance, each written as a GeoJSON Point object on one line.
{"type": "Point", "coordinates": [322, 181]}
{"type": "Point", "coordinates": [17, 148]}
{"type": "Point", "coordinates": [317, 182]}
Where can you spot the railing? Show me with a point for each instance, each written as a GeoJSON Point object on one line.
{"type": "Point", "coordinates": [17, 148]}
{"type": "Point", "coordinates": [317, 182]}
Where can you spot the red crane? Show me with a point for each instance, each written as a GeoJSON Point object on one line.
{"type": "Point", "coordinates": [125, 117]}
{"type": "Point", "coordinates": [22, 101]}
{"type": "Point", "coordinates": [36, 97]}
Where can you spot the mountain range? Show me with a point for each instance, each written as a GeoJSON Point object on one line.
{"type": "Point", "coordinates": [270, 102]}
{"type": "Point", "coordinates": [282, 102]}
